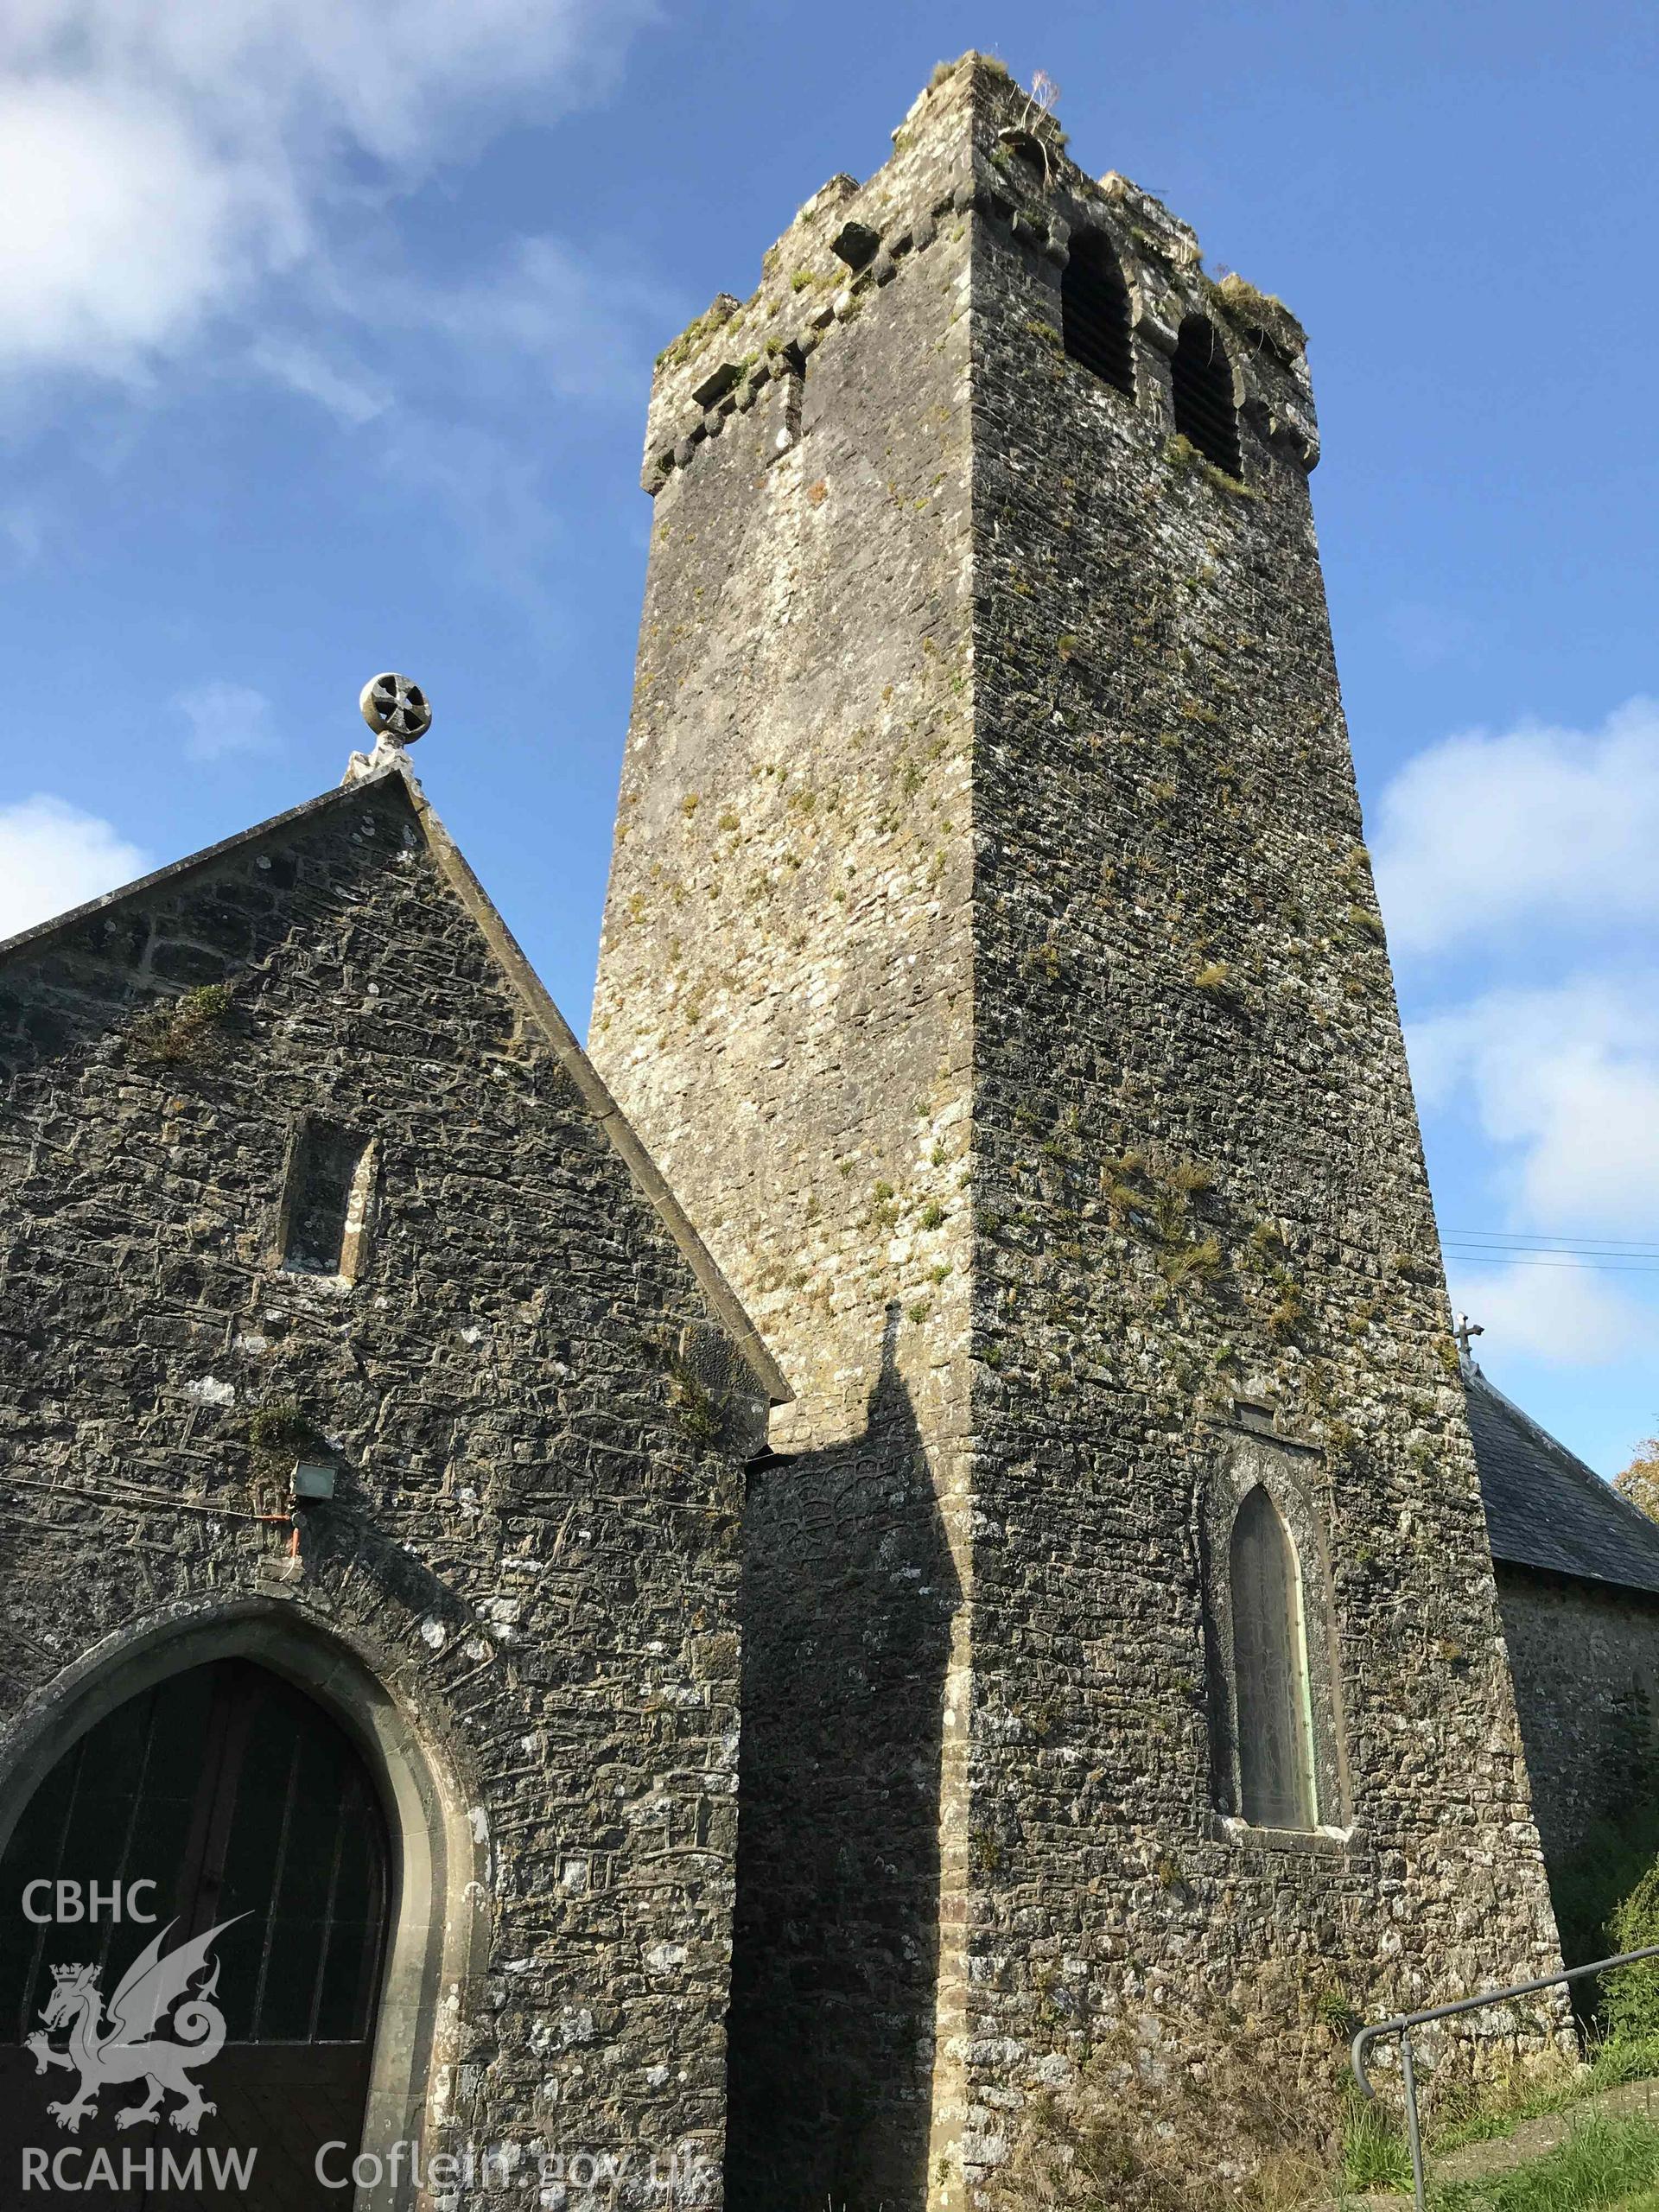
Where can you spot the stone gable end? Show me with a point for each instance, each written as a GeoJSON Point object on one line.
{"type": "Point", "coordinates": [536, 1419]}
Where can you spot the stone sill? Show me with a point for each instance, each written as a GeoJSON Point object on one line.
{"type": "Point", "coordinates": [1319, 1843]}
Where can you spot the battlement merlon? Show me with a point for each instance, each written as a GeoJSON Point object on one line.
{"type": "Point", "coordinates": [973, 142]}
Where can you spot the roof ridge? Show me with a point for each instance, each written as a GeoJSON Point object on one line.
{"type": "Point", "coordinates": [1605, 1486]}
{"type": "Point", "coordinates": [39, 932]}
{"type": "Point", "coordinates": [511, 957]}
{"type": "Point", "coordinates": [1475, 1373]}
{"type": "Point", "coordinates": [1586, 1529]}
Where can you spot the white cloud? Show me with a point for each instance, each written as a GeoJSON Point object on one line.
{"type": "Point", "coordinates": [1529, 853]}
{"type": "Point", "coordinates": [1482, 835]}
{"type": "Point", "coordinates": [540, 322]}
{"type": "Point", "coordinates": [478, 361]}
{"type": "Point", "coordinates": [543, 312]}
{"type": "Point", "coordinates": [121, 223]}
{"type": "Point", "coordinates": [53, 857]}
{"type": "Point", "coordinates": [343, 388]}
{"type": "Point", "coordinates": [159, 159]}
{"type": "Point", "coordinates": [1568, 1316]}
{"type": "Point", "coordinates": [1566, 1082]}
{"type": "Point", "coordinates": [226, 718]}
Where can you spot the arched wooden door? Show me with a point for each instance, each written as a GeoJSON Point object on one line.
{"type": "Point", "coordinates": [242, 1801]}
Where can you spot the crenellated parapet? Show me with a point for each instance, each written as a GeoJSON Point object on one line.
{"type": "Point", "coordinates": [974, 147]}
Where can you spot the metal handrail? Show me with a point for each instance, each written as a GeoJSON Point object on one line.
{"type": "Point", "coordinates": [1403, 2025]}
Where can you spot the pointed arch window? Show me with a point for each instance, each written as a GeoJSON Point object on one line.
{"type": "Point", "coordinates": [1094, 313]}
{"type": "Point", "coordinates": [1202, 378]}
{"type": "Point", "coordinates": [1274, 1703]}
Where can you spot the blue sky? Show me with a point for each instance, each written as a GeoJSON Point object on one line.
{"type": "Point", "coordinates": [324, 337]}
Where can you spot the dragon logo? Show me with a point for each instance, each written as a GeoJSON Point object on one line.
{"type": "Point", "coordinates": [125, 2047]}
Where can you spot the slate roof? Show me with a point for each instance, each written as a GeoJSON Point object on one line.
{"type": "Point", "coordinates": [1546, 1509]}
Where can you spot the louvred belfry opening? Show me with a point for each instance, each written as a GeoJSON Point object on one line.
{"type": "Point", "coordinates": [1094, 313]}
{"type": "Point", "coordinates": [1202, 378]}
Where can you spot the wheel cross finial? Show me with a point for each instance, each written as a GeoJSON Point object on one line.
{"type": "Point", "coordinates": [397, 712]}
{"type": "Point", "coordinates": [396, 709]}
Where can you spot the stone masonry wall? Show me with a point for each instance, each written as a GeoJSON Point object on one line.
{"type": "Point", "coordinates": [849, 1600]}
{"type": "Point", "coordinates": [784, 1004]}
{"type": "Point", "coordinates": [1585, 1661]}
{"type": "Point", "coordinates": [784, 972]}
{"type": "Point", "coordinates": [527, 1548]}
{"type": "Point", "coordinates": [1202, 1216]}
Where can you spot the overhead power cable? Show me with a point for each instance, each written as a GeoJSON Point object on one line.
{"type": "Point", "coordinates": [1542, 1240]}
{"type": "Point", "coordinates": [1596, 1267]}
{"type": "Point", "coordinates": [1542, 1248]}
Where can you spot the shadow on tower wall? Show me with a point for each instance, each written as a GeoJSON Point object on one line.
{"type": "Point", "coordinates": [848, 1593]}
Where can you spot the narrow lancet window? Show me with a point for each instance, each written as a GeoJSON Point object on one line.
{"type": "Point", "coordinates": [326, 1202]}
{"type": "Point", "coordinates": [1204, 412]}
{"type": "Point", "coordinates": [1275, 1711]}
{"type": "Point", "coordinates": [1094, 313]}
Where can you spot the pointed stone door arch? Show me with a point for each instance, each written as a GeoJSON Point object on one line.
{"type": "Point", "coordinates": [234, 1801]}
{"type": "Point", "coordinates": [385, 1850]}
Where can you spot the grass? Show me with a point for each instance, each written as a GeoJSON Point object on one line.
{"type": "Point", "coordinates": [1485, 2116]}
{"type": "Point", "coordinates": [1200, 1261]}
{"type": "Point", "coordinates": [183, 1031]}
{"type": "Point", "coordinates": [1603, 2162]}
{"type": "Point", "coordinates": [1260, 314]}
{"type": "Point", "coordinates": [698, 1414]}
{"type": "Point", "coordinates": [1121, 2141]}
{"type": "Point", "coordinates": [1373, 2155]}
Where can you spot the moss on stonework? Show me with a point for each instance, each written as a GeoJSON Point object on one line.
{"type": "Point", "coordinates": [186, 1031]}
{"type": "Point", "coordinates": [698, 1413]}
{"type": "Point", "coordinates": [1184, 458]}
{"type": "Point", "coordinates": [973, 59]}
{"type": "Point", "coordinates": [714, 317]}
{"type": "Point", "coordinates": [279, 1434]}
{"type": "Point", "coordinates": [1259, 314]}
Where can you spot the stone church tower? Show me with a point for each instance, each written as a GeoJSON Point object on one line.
{"type": "Point", "coordinates": [992, 966]}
